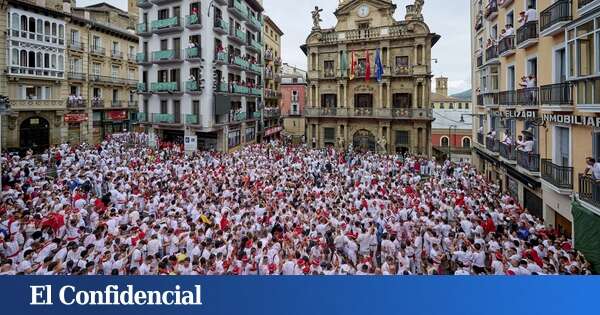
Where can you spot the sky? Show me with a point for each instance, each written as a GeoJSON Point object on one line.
{"type": "Point", "coordinates": [448, 18]}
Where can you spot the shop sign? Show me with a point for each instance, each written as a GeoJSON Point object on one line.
{"type": "Point", "coordinates": [76, 118]}
{"type": "Point", "coordinates": [573, 120]}
{"type": "Point", "coordinates": [117, 115]}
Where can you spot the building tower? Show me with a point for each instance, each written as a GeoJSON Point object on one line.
{"type": "Point", "coordinates": [441, 86]}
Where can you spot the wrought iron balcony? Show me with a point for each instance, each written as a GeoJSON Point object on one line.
{"type": "Point", "coordinates": [72, 75]}
{"type": "Point", "coordinates": [37, 104]}
{"type": "Point", "coordinates": [528, 161]}
{"type": "Point", "coordinates": [589, 190]}
{"type": "Point", "coordinates": [75, 45]}
{"type": "Point", "coordinates": [559, 176]}
{"type": "Point", "coordinates": [491, 10]}
{"type": "Point", "coordinates": [527, 34]}
{"type": "Point", "coordinates": [557, 95]}
{"type": "Point", "coordinates": [492, 144]}
{"type": "Point", "coordinates": [508, 152]}
{"type": "Point", "coordinates": [507, 98]}
{"type": "Point", "coordinates": [506, 46]}
{"type": "Point", "coordinates": [554, 18]}
{"type": "Point", "coordinates": [491, 54]}
{"type": "Point", "coordinates": [76, 102]}
{"type": "Point", "coordinates": [528, 97]}
{"type": "Point", "coordinates": [97, 50]}
{"type": "Point", "coordinates": [117, 54]}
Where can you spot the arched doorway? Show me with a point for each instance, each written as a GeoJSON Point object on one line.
{"type": "Point", "coordinates": [364, 141]}
{"type": "Point", "coordinates": [34, 133]}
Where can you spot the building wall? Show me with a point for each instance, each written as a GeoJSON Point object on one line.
{"type": "Point", "coordinates": [578, 96]}
{"type": "Point", "coordinates": [273, 62]}
{"type": "Point", "coordinates": [414, 78]}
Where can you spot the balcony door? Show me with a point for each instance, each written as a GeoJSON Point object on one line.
{"type": "Point", "coordinates": [562, 146]}
{"type": "Point", "coordinates": [560, 67]}
{"type": "Point", "coordinates": [363, 100]}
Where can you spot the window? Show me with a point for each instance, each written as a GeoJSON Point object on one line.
{"type": "Point", "coordinates": [329, 134]}
{"type": "Point", "coordinates": [403, 100]}
{"type": "Point", "coordinates": [402, 137]}
{"type": "Point", "coordinates": [164, 107]}
{"type": "Point", "coordinates": [163, 14]}
{"type": "Point", "coordinates": [510, 78]}
{"type": "Point", "coordinates": [532, 67]}
{"type": "Point", "coordinates": [114, 72]}
{"type": "Point", "coordinates": [74, 37]}
{"type": "Point", "coordinates": [510, 18]}
{"type": "Point", "coordinates": [460, 106]}
{"type": "Point", "coordinates": [363, 100]}
{"type": "Point", "coordinates": [329, 68]}
{"type": "Point", "coordinates": [444, 142]}
{"type": "Point", "coordinates": [234, 138]}
{"type": "Point", "coordinates": [466, 143]}
{"type": "Point", "coordinates": [329, 100]}
{"type": "Point", "coordinates": [96, 69]}
{"type": "Point", "coordinates": [97, 41]}
{"type": "Point", "coordinates": [562, 146]}
{"type": "Point", "coordinates": [596, 145]}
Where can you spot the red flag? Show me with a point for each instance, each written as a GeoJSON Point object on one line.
{"type": "Point", "coordinates": [368, 66]}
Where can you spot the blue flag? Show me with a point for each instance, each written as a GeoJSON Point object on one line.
{"type": "Point", "coordinates": [378, 66]}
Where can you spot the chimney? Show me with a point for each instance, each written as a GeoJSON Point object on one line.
{"type": "Point", "coordinates": [441, 86]}
{"type": "Point", "coordinates": [67, 6]}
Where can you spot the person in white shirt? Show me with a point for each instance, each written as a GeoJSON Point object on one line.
{"type": "Point", "coordinates": [531, 15]}
{"type": "Point", "coordinates": [592, 168]}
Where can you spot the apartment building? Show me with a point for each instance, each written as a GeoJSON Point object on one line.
{"type": "Point", "coordinates": [201, 70]}
{"type": "Point", "coordinates": [293, 101]}
{"type": "Point", "coordinates": [46, 57]}
{"type": "Point", "coordinates": [536, 73]}
{"type": "Point", "coordinates": [272, 94]}
{"type": "Point", "coordinates": [348, 104]}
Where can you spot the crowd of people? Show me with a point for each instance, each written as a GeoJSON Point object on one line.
{"type": "Point", "coordinates": [125, 208]}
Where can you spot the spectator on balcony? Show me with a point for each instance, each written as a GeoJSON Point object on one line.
{"type": "Point", "coordinates": [196, 11]}
{"type": "Point", "coordinates": [481, 130]}
{"type": "Point", "coordinates": [72, 100]}
{"type": "Point", "coordinates": [593, 168]}
{"type": "Point", "coordinates": [530, 15]}
{"type": "Point", "coordinates": [492, 134]}
{"type": "Point", "coordinates": [510, 30]}
{"type": "Point", "coordinates": [527, 145]}
{"type": "Point", "coordinates": [507, 139]}
{"type": "Point", "coordinates": [528, 82]}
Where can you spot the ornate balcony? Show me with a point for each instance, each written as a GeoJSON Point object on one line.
{"type": "Point", "coordinates": [560, 177]}
{"type": "Point", "coordinates": [527, 35]}
{"type": "Point", "coordinates": [375, 33]}
{"type": "Point", "coordinates": [373, 113]}
{"type": "Point", "coordinates": [20, 105]}
{"type": "Point", "coordinates": [555, 17]}
{"type": "Point", "coordinates": [508, 152]}
{"type": "Point", "coordinates": [76, 103]}
{"type": "Point", "coordinates": [492, 145]}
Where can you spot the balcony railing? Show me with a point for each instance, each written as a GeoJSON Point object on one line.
{"type": "Point", "coordinates": [158, 87]}
{"type": "Point", "coordinates": [507, 98]}
{"type": "Point", "coordinates": [221, 25]}
{"type": "Point", "coordinates": [491, 144]}
{"type": "Point", "coordinates": [142, 87]}
{"type": "Point", "coordinates": [37, 104]}
{"type": "Point", "coordinates": [193, 20]}
{"type": "Point", "coordinates": [490, 99]}
{"type": "Point", "coordinates": [239, 34]}
{"type": "Point", "coordinates": [491, 9]}
{"type": "Point", "coordinates": [238, 8]}
{"type": "Point", "coordinates": [508, 152]}
{"type": "Point", "coordinates": [480, 138]}
{"type": "Point", "coordinates": [75, 45]}
{"type": "Point", "coordinates": [527, 32]}
{"type": "Point", "coordinates": [589, 190]}
{"type": "Point", "coordinates": [556, 94]}
{"type": "Point", "coordinates": [192, 53]}
{"type": "Point", "coordinates": [506, 44]}
{"type": "Point", "coordinates": [272, 112]}
{"type": "Point", "coordinates": [97, 50]}
{"type": "Point", "coordinates": [559, 176]}
{"type": "Point", "coordinates": [141, 58]}
{"type": "Point", "coordinates": [255, 67]}
{"type": "Point", "coordinates": [142, 28]}
{"type": "Point", "coordinates": [222, 57]}
{"type": "Point", "coordinates": [491, 53]}
{"type": "Point", "coordinates": [97, 102]}
{"type": "Point", "coordinates": [528, 97]}
{"type": "Point", "coordinates": [72, 75]}
{"type": "Point", "coordinates": [528, 161]}
{"type": "Point", "coordinates": [76, 102]}
{"type": "Point", "coordinates": [162, 118]}
{"type": "Point", "coordinates": [192, 86]}
{"type": "Point", "coordinates": [116, 54]}
{"type": "Point", "coordinates": [369, 112]}
{"type": "Point", "coordinates": [558, 12]}
{"type": "Point", "coordinates": [364, 34]}
{"type": "Point", "coordinates": [165, 24]}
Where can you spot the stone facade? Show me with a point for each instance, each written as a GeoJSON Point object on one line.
{"type": "Point", "coordinates": [48, 55]}
{"type": "Point", "coordinates": [392, 115]}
